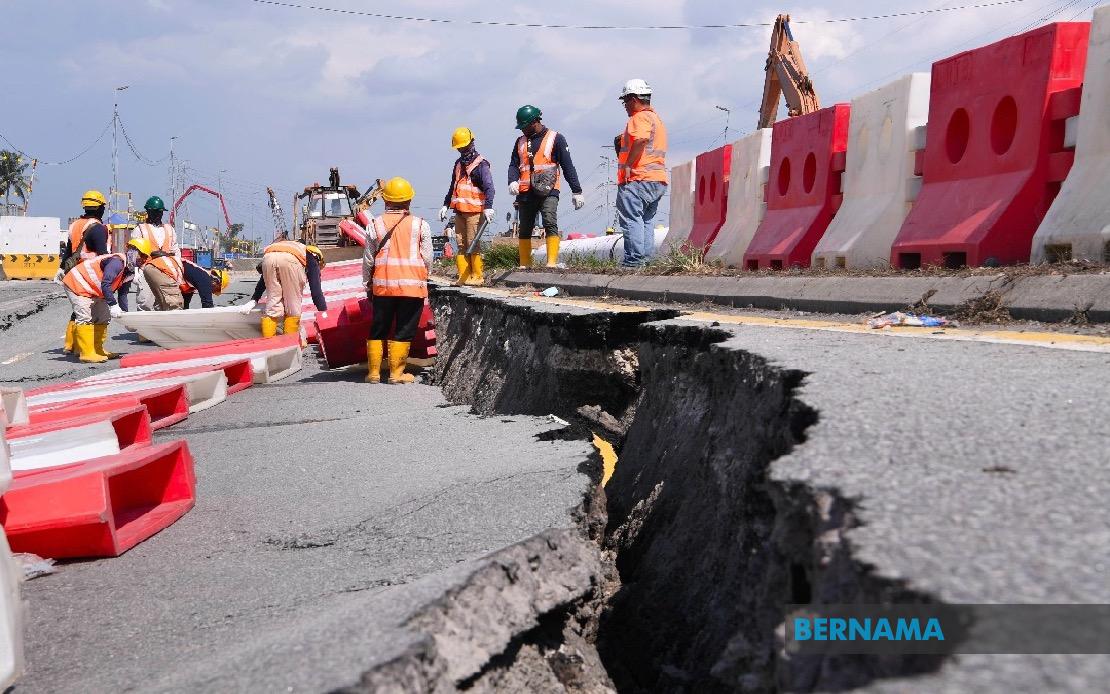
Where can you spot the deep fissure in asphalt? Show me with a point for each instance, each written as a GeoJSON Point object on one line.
{"type": "Point", "coordinates": [705, 551]}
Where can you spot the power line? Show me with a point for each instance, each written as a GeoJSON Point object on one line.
{"type": "Point", "coordinates": [134, 150]}
{"type": "Point", "coordinates": [67, 161]}
{"type": "Point", "coordinates": [615, 27]}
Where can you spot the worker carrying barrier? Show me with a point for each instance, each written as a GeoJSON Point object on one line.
{"type": "Point", "coordinates": [101, 507]}
{"type": "Point", "coordinates": [682, 205]}
{"type": "Point", "coordinates": [994, 151]}
{"type": "Point", "coordinates": [879, 184]}
{"type": "Point", "coordinates": [710, 197]}
{"type": "Point", "coordinates": [59, 438]}
{"type": "Point", "coordinates": [11, 603]}
{"type": "Point", "coordinates": [1077, 226]}
{"type": "Point", "coordinates": [804, 190]}
{"type": "Point", "coordinates": [747, 201]}
{"type": "Point", "coordinates": [165, 405]}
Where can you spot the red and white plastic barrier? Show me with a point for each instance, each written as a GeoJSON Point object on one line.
{"type": "Point", "coordinates": [272, 359]}
{"type": "Point", "coordinates": [804, 191]}
{"type": "Point", "coordinates": [682, 205]}
{"type": "Point", "coordinates": [13, 406]}
{"type": "Point", "coordinates": [58, 438]}
{"type": "Point", "coordinates": [101, 507]}
{"type": "Point", "coordinates": [710, 196]}
{"type": "Point", "coordinates": [747, 201]}
{"type": "Point", "coordinates": [342, 338]}
{"type": "Point", "coordinates": [171, 329]}
{"type": "Point", "coordinates": [994, 152]}
{"type": "Point", "coordinates": [1077, 225]}
{"type": "Point", "coordinates": [879, 183]}
{"type": "Point", "coordinates": [11, 602]}
{"type": "Point", "coordinates": [204, 388]}
{"type": "Point", "coordinates": [352, 231]}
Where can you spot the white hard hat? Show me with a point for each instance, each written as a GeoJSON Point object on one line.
{"type": "Point", "coordinates": [636, 87]}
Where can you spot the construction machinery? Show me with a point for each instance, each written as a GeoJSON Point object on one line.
{"type": "Point", "coordinates": [318, 210]}
{"type": "Point", "coordinates": [786, 77]}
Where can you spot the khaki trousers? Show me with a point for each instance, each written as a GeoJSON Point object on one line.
{"type": "Point", "coordinates": [285, 281]}
{"type": "Point", "coordinates": [88, 311]}
{"type": "Point", "coordinates": [466, 228]}
{"type": "Point", "coordinates": [166, 292]}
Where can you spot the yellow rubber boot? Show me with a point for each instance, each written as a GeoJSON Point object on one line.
{"type": "Point", "coordinates": [84, 341]}
{"type": "Point", "coordinates": [398, 357]}
{"type": "Point", "coordinates": [524, 250]}
{"type": "Point", "coordinates": [464, 268]}
{"type": "Point", "coordinates": [375, 349]}
{"type": "Point", "coordinates": [476, 276]}
{"type": "Point", "coordinates": [69, 346]}
{"type": "Point", "coordinates": [269, 326]}
{"type": "Point", "coordinates": [552, 250]}
{"type": "Point", "coordinates": [100, 336]}
{"type": "Point", "coordinates": [292, 325]}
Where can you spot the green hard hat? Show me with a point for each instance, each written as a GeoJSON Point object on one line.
{"type": "Point", "coordinates": [154, 203]}
{"type": "Point", "coordinates": [526, 115]}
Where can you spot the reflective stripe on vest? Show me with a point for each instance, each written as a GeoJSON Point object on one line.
{"type": "Point", "coordinates": [467, 197]}
{"type": "Point", "coordinates": [77, 232]}
{"type": "Point", "coordinates": [172, 268]}
{"type": "Point", "coordinates": [399, 270]}
{"type": "Point", "coordinates": [84, 279]}
{"type": "Point", "coordinates": [293, 248]}
{"type": "Point", "coordinates": [543, 160]}
{"type": "Point", "coordinates": [652, 164]}
{"type": "Point", "coordinates": [166, 243]}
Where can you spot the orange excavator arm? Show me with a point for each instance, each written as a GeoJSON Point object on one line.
{"type": "Point", "coordinates": [786, 77]}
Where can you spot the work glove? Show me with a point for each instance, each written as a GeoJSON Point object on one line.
{"type": "Point", "coordinates": [514, 188]}
{"type": "Point", "coordinates": [323, 314]}
{"type": "Point", "coordinates": [579, 201]}
{"type": "Point", "coordinates": [489, 214]}
{"type": "Point", "coordinates": [247, 307]}
{"type": "Point", "coordinates": [443, 214]}
{"type": "Point", "coordinates": [115, 311]}
{"type": "Point", "coordinates": [59, 275]}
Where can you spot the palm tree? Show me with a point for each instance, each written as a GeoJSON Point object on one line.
{"type": "Point", "coordinates": [13, 178]}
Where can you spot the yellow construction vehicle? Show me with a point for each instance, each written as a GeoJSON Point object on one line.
{"type": "Point", "coordinates": [786, 77]}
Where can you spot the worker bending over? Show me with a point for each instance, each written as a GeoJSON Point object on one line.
{"type": "Point", "coordinates": [163, 276]}
{"type": "Point", "coordinates": [161, 237]}
{"type": "Point", "coordinates": [395, 269]}
{"type": "Point", "coordinates": [202, 282]}
{"type": "Point", "coordinates": [88, 238]}
{"type": "Point", "coordinates": [641, 172]}
{"type": "Point", "coordinates": [534, 179]}
{"type": "Point", "coordinates": [286, 267]}
{"type": "Point", "coordinates": [471, 197]}
{"type": "Point", "coordinates": [91, 287]}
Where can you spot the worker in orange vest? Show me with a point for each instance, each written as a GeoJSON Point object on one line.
{"type": "Point", "coordinates": [538, 156]}
{"type": "Point", "coordinates": [287, 266]}
{"type": "Point", "coordinates": [88, 238]}
{"type": "Point", "coordinates": [395, 269]}
{"type": "Point", "coordinates": [163, 275]}
{"type": "Point", "coordinates": [471, 197]}
{"type": "Point", "coordinates": [641, 172]}
{"type": "Point", "coordinates": [91, 287]}
{"type": "Point", "coordinates": [162, 238]}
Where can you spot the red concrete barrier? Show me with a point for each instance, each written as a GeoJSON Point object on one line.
{"type": "Point", "coordinates": [804, 189]}
{"type": "Point", "coordinates": [994, 149]}
{"type": "Point", "coordinates": [710, 196]}
{"type": "Point", "coordinates": [166, 405]}
{"type": "Point", "coordinates": [101, 507]}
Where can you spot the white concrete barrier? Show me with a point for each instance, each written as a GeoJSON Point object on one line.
{"type": "Point", "coordinates": [748, 172]}
{"type": "Point", "coordinates": [879, 185]}
{"type": "Point", "coordinates": [681, 193]}
{"type": "Point", "coordinates": [1077, 225]}
{"type": "Point", "coordinates": [11, 604]}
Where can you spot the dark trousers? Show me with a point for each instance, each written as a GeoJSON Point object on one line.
{"type": "Point", "coordinates": [548, 208]}
{"type": "Point", "coordinates": [402, 310]}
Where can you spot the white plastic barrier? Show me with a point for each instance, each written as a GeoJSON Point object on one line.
{"type": "Point", "coordinates": [879, 185]}
{"type": "Point", "coordinates": [64, 446]}
{"type": "Point", "coordinates": [748, 171]}
{"type": "Point", "coordinates": [30, 235]}
{"type": "Point", "coordinates": [1077, 225]}
{"type": "Point", "coordinates": [13, 406]}
{"type": "Point", "coordinates": [681, 191]}
{"type": "Point", "coordinates": [267, 365]}
{"type": "Point", "coordinates": [11, 605]}
{"type": "Point", "coordinates": [194, 326]}
{"type": "Point", "coordinates": [603, 248]}
{"type": "Point", "coordinates": [202, 390]}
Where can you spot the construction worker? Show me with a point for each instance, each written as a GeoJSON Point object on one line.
{"type": "Point", "coordinates": [534, 179]}
{"type": "Point", "coordinates": [641, 172]}
{"type": "Point", "coordinates": [161, 237]}
{"type": "Point", "coordinates": [163, 276]}
{"type": "Point", "coordinates": [395, 269]}
{"type": "Point", "coordinates": [88, 238]}
{"type": "Point", "coordinates": [206, 283]}
{"type": "Point", "coordinates": [471, 197]}
{"type": "Point", "coordinates": [286, 267]}
{"type": "Point", "coordinates": [91, 287]}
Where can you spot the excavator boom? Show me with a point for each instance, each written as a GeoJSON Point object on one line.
{"type": "Point", "coordinates": [786, 77]}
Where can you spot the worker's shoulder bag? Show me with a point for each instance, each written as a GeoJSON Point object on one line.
{"type": "Point", "coordinates": [541, 183]}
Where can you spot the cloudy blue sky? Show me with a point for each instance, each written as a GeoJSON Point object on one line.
{"type": "Point", "coordinates": [274, 95]}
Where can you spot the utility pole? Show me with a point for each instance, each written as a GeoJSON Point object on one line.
{"type": "Point", "coordinates": [173, 179]}
{"type": "Point", "coordinates": [728, 115]}
{"type": "Point", "coordinates": [115, 160]}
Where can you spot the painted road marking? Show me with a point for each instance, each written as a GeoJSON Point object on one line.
{"type": "Point", "coordinates": [18, 357]}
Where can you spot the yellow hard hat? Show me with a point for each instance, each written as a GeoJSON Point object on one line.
{"type": "Point", "coordinates": [141, 245]}
{"type": "Point", "coordinates": [397, 189]}
{"type": "Point", "coordinates": [220, 280]}
{"type": "Point", "coordinates": [318, 253]}
{"type": "Point", "coordinates": [461, 138]}
{"type": "Point", "coordinates": [93, 198]}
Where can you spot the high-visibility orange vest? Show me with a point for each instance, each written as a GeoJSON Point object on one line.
{"type": "Point", "coordinates": [542, 160]}
{"type": "Point", "coordinates": [399, 269]}
{"type": "Point", "coordinates": [84, 279]}
{"type": "Point", "coordinates": [652, 163]}
{"type": "Point", "coordinates": [294, 248]}
{"type": "Point", "coordinates": [77, 232]}
{"type": "Point", "coordinates": [171, 267]}
{"type": "Point", "coordinates": [467, 197]}
{"type": "Point", "coordinates": [168, 242]}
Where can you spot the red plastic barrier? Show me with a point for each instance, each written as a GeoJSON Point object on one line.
{"type": "Point", "coordinates": [132, 424]}
{"type": "Point", "coordinates": [101, 507]}
{"type": "Point", "coordinates": [342, 338]}
{"type": "Point", "coordinates": [994, 149]}
{"type": "Point", "coordinates": [166, 406]}
{"type": "Point", "coordinates": [214, 350]}
{"type": "Point", "coordinates": [803, 192]}
{"type": "Point", "coordinates": [352, 232]}
{"type": "Point", "coordinates": [238, 372]}
{"type": "Point", "coordinates": [710, 196]}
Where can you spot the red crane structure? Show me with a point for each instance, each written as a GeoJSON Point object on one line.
{"type": "Point", "coordinates": [197, 186]}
